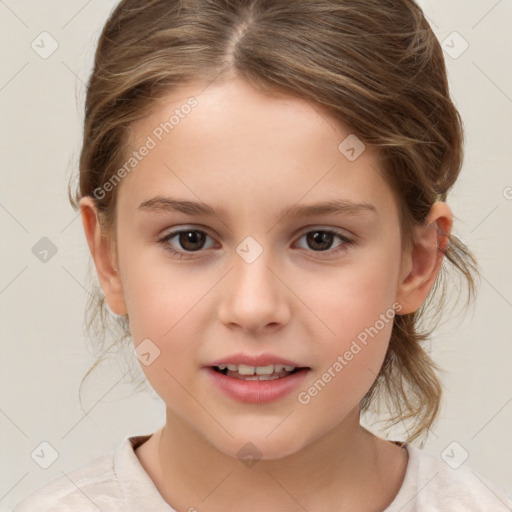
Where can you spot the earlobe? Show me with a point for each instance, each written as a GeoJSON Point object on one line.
{"type": "Point", "coordinates": [104, 257]}
{"type": "Point", "coordinates": [424, 262]}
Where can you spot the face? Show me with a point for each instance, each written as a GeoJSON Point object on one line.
{"type": "Point", "coordinates": [315, 289]}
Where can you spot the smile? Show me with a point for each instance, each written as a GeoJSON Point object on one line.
{"type": "Point", "coordinates": [246, 372]}
{"type": "Point", "coordinates": [257, 388]}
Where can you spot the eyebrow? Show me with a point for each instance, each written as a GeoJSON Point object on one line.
{"type": "Point", "coordinates": [338, 206]}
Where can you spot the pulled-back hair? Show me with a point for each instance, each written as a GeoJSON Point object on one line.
{"type": "Point", "coordinates": [375, 66]}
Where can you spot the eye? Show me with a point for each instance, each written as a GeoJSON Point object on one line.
{"type": "Point", "coordinates": [320, 240]}
{"type": "Point", "coordinates": [193, 240]}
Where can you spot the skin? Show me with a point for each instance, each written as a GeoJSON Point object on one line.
{"type": "Point", "coordinates": [252, 154]}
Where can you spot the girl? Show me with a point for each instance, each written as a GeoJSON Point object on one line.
{"type": "Point", "coordinates": [262, 189]}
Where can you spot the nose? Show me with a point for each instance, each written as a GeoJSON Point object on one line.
{"type": "Point", "coordinates": [254, 298]}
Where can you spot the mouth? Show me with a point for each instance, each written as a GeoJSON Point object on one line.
{"type": "Point", "coordinates": [257, 384]}
{"type": "Point", "coordinates": [256, 378]}
{"type": "Point", "coordinates": [268, 372]}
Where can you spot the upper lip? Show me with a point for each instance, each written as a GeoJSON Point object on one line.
{"type": "Point", "coordinates": [255, 360]}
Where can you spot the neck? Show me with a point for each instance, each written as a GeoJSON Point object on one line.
{"type": "Point", "coordinates": [349, 467]}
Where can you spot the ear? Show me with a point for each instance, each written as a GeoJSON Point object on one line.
{"type": "Point", "coordinates": [104, 256]}
{"type": "Point", "coordinates": [422, 264]}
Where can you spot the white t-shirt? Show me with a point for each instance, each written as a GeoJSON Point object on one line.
{"type": "Point", "coordinates": [118, 482]}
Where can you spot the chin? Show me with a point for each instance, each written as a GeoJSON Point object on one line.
{"type": "Point", "coordinates": [251, 449]}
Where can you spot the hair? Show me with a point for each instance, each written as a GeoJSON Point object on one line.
{"type": "Point", "coordinates": [377, 67]}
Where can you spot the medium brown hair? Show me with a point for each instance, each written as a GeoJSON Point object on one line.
{"type": "Point", "coordinates": [375, 66]}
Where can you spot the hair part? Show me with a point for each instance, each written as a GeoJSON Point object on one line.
{"type": "Point", "coordinates": [377, 67]}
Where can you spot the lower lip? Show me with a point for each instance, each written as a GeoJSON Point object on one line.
{"type": "Point", "coordinates": [257, 391]}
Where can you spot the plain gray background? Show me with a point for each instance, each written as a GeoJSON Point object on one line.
{"type": "Point", "coordinates": [44, 351]}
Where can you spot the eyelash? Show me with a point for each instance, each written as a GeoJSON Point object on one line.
{"type": "Point", "coordinates": [180, 254]}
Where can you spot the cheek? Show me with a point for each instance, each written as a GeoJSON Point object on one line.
{"type": "Point", "coordinates": [166, 305]}
{"type": "Point", "coordinates": [163, 305]}
{"type": "Point", "coordinates": [160, 294]}
{"type": "Point", "coordinates": [351, 331]}
{"type": "Point", "coordinates": [350, 299]}
{"type": "Point", "coordinates": [348, 362]}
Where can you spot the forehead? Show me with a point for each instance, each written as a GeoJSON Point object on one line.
{"type": "Point", "coordinates": [235, 111]}
{"type": "Point", "coordinates": [230, 140]}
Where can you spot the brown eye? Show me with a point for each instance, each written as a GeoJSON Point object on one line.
{"type": "Point", "coordinates": [187, 241]}
{"type": "Point", "coordinates": [190, 240]}
{"type": "Point", "coordinates": [321, 240]}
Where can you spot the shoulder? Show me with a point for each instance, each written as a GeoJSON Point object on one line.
{"type": "Point", "coordinates": [431, 484]}
{"type": "Point", "coordinates": [90, 487]}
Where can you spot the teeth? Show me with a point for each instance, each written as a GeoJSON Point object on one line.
{"type": "Point", "coordinates": [244, 369]}
{"type": "Point", "coordinates": [265, 370]}
{"type": "Point", "coordinates": [281, 367]}
{"type": "Point", "coordinates": [261, 377]}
